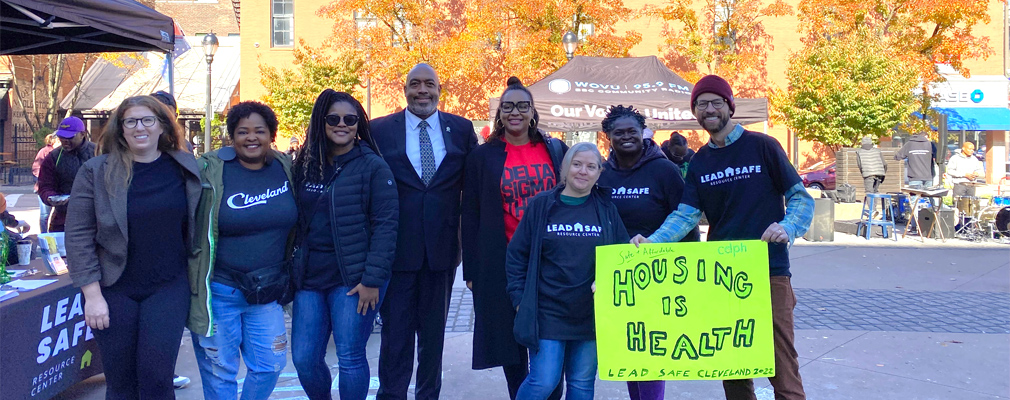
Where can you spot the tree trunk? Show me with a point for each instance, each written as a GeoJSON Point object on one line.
{"type": "Point", "coordinates": [52, 93]}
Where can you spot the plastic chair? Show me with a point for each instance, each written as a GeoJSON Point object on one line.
{"type": "Point", "coordinates": [885, 220]}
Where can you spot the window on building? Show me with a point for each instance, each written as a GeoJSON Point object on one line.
{"type": "Point", "coordinates": [586, 29]}
{"type": "Point", "coordinates": [283, 18]}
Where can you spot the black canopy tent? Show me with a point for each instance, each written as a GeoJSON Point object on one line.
{"type": "Point", "coordinates": [82, 26]}
{"type": "Point", "coordinates": [576, 96]}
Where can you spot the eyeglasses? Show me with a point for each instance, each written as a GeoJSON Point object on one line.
{"type": "Point", "coordinates": [508, 106]}
{"type": "Point", "coordinates": [703, 105]}
{"type": "Point", "coordinates": [147, 121]}
{"type": "Point", "coordinates": [334, 120]}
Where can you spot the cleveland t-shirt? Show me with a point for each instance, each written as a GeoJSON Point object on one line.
{"type": "Point", "coordinates": [741, 189]}
{"type": "Point", "coordinates": [257, 213]}
{"type": "Point", "coordinates": [568, 269]}
{"type": "Point", "coordinates": [527, 171]}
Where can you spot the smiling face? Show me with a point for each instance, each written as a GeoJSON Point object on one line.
{"type": "Point", "coordinates": [422, 91]}
{"type": "Point", "coordinates": [341, 136]}
{"type": "Point", "coordinates": [516, 122]}
{"type": "Point", "coordinates": [252, 140]}
{"type": "Point", "coordinates": [583, 172]}
{"type": "Point", "coordinates": [712, 119]}
{"type": "Point", "coordinates": [142, 139]}
{"type": "Point", "coordinates": [626, 137]}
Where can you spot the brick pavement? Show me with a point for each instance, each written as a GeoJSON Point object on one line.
{"type": "Point", "coordinates": [856, 309]}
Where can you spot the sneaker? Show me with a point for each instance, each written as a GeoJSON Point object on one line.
{"type": "Point", "coordinates": [180, 382]}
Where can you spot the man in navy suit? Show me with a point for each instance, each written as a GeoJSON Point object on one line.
{"type": "Point", "coordinates": [426, 150]}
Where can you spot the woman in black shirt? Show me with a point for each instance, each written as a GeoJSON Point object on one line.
{"type": "Point", "coordinates": [551, 265]}
{"type": "Point", "coordinates": [349, 212]}
{"type": "Point", "coordinates": [129, 226]}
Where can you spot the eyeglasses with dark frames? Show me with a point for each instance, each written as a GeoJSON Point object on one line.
{"type": "Point", "coordinates": [703, 105]}
{"type": "Point", "coordinates": [508, 106]}
{"type": "Point", "coordinates": [147, 121]}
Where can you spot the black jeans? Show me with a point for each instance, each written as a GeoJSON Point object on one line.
{"type": "Point", "coordinates": [141, 344]}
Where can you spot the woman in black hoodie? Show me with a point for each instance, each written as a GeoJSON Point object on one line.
{"type": "Point", "coordinates": [646, 188]}
{"type": "Point", "coordinates": [348, 214]}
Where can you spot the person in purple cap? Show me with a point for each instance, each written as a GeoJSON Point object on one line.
{"type": "Point", "coordinates": [58, 170]}
{"type": "Point", "coordinates": [764, 200]}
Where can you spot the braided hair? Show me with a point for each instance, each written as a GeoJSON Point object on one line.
{"type": "Point", "coordinates": [498, 131]}
{"type": "Point", "coordinates": [620, 111]}
{"type": "Point", "coordinates": [314, 155]}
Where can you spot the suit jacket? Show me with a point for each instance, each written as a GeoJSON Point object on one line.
{"type": "Point", "coordinates": [97, 232]}
{"type": "Point", "coordinates": [429, 215]}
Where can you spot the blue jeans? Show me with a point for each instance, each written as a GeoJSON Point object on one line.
{"type": "Point", "coordinates": [44, 211]}
{"type": "Point", "coordinates": [316, 315]}
{"type": "Point", "coordinates": [255, 331]}
{"type": "Point", "coordinates": [577, 358]}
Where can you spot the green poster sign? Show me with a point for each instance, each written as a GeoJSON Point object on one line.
{"type": "Point", "coordinates": [684, 311]}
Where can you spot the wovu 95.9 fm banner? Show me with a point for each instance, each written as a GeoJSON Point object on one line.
{"type": "Point", "coordinates": [684, 311]}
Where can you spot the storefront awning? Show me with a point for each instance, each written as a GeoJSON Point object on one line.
{"type": "Point", "coordinates": [977, 119]}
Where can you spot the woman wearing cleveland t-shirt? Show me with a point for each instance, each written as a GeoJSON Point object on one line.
{"type": "Point", "coordinates": [516, 163]}
{"type": "Point", "coordinates": [246, 217]}
{"type": "Point", "coordinates": [646, 188]}
{"type": "Point", "coordinates": [550, 266]}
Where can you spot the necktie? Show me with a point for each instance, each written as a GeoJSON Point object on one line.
{"type": "Point", "coordinates": [427, 154]}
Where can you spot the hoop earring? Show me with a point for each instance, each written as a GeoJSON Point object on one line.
{"type": "Point", "coordinates": [499, 124]}
{"type": "Point", "coordinates": [533, 123]}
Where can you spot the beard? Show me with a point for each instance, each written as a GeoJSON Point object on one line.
{"type": "Point", "coordinates": [423, 111]}
{"type": "Point", "coordinates": [719, 125]}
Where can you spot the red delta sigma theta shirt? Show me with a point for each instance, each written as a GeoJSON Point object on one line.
{"type": "Point", "coordinates": [527, 171]}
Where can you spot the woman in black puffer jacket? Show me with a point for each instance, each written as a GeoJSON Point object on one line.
{"type": "Point", "coordinates": [348, 213]}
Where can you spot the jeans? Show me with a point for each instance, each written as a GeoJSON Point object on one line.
{"type": "Point", "coordinates": [872, 183]}
{"type": "Point", "coordinates": [577, 358]}
{"type": "Point", "coordinates": [254, 333]}
{"type": "Point", "coordinates": [141, 344]}
{"type": "Point", "coordinates": [317, 314]}
{"type": "Point", "coordinates": [44, 211]}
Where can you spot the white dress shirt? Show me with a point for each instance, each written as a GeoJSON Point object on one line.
{"type": "Point", "coordinates": [413, 145]}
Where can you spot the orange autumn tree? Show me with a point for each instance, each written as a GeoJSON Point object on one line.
{"type": "Point", "coordinates": [722, 37]}
{"type": "Point", "coordinates": [474, 45]}
{"type": "Point", "coordinates": [921, 33]}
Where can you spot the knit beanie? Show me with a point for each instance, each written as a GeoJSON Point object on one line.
{"type": "Point", "coordinates": [713, 84]}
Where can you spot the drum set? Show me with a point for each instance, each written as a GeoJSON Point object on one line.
{"type": "Point", "coordinates": [980, 219]}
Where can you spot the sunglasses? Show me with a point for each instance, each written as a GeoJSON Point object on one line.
{"type": "Point", "coordinates": [334, 120]}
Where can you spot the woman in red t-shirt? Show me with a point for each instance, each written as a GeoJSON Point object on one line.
{"type": "Point", "coordinates": [501, 176]}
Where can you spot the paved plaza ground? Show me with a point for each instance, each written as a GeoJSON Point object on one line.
{"type": "Point", "coordinates": [875, 320]}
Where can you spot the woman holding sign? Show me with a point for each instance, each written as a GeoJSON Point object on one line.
{"type": "Point", "coordinates": [646, 188]}
{"type": "Point", "coordinates": [130, 222]}
{"type": "Point", "coordinates": [551, 265]}
{"type": "Point", "coordinates": [502, 175]}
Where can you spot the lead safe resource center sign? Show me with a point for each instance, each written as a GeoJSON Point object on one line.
{"type": "Point", "coordinates": [684, 311]}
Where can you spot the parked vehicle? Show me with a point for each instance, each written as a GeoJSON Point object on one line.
{"type": "Point", "coordinates": [820, 176]}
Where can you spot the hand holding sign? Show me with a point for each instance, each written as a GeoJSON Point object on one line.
{"type": "Point", "coordinates": [679, 311]}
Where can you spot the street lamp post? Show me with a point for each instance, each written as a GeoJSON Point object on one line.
{"type": "Point", "coordinates": [209, 48]}
{"type": "Point", "coordinates": [570, 42]}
